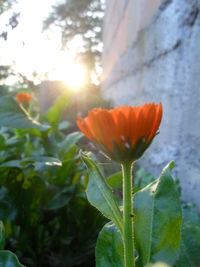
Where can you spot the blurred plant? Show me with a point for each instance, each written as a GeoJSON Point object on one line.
{"type": "Point", "coordinates": [43, 203]}
{"type": "Point", "coordinates": [24, 98]}
{"type": "Point", "coordinates": [7, 258]}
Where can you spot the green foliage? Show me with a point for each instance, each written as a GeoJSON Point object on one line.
{"type": "Point", "coordinates": [2, 236]}
{"type": "Point", "coordinates": [8, 259]}
{"type": "Point", "coordinates": [47, 219]}
{"type": "Point", "coordinates": [13, 116]}
{"type": "Point", "coordinates": [115, 180]}
{"type": "Point", "coordinates": [190, 233]}
{"type": "Point", "coordinates": [158, 219]}
{"type": "Point", "coordinates": [142, 179]}
{"type": "Point", "coordinates": [190, 242]}
{"type": "Point", "coordinates": [43, 204]}
{"type": "Point", "coordinates": [159, 238]}
{"type": "Point", "coordinates": [101, 196]}
{"type": "Point", "coordinates": [55, 112]}
{"type": "Point", "coordinates": [60, 199]}
{"type": "Point", "coordinates": [158, 264]}
{"type": "Point", "coordinates": [109, 249]}
{"type": "Point", "coordinates": [69, 142]}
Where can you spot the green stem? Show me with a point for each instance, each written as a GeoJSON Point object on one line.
{"type": "Point", "coordinates": [128, 215]}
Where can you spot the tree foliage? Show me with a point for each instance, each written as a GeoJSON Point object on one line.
{"type": "Point", "coordinates": [6, 5]}
{"type": "Point", "coordinates": [80, 18]}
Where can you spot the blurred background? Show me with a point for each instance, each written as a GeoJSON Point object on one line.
{"type": "Point", "coordinates": [48, 45]}
{"type": "Point", "coordinates": [149, 51]}
{"type": "Point", "coordinates": [116, 52]}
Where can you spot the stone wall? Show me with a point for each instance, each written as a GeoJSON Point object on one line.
{"type": "Point", "coordinates": [152, 53]}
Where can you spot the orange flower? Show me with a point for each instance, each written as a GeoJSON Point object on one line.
{"type": "Point", "coordinates": [23, 97]}
{"type": "Point", "coordinates": [122, 133]}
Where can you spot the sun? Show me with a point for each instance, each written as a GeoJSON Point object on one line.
{"type": "Point", "coordinates": [74, 75]}
{"type": "Point", "coordinates": [69, 71]}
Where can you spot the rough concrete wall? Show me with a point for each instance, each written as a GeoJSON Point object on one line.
{"type": "Point", "coordinates": [162, 63]}
{"type": "Point", "coordinates": [123, 20]}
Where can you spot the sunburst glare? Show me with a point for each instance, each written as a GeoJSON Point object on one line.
{"type": "Point", "coordinates": [73, 74]}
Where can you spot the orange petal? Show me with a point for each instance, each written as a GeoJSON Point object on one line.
{"type": "Point", "coordinates": [94, 125]}
{"type": "Point", "coordinates": [149, 117]}
{"type": "Point", "coordinates": [133, 126]}
{"type": "Point", "coordinates": [109, 128]}
{"type": "Point", "coordinates": [157, 121]}
{"type": "Point", "coordinates": [83, 125]}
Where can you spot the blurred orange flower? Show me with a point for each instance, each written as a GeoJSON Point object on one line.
{"type": "Point", "coordinates": [24, 98]}
{"type": "Point", "coordinates": [122, 133]}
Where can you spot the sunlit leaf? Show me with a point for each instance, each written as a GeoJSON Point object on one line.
{"type": "Point", "coordinates": [190, 241]}
{"type": "Point", "coordinates": [37, 162]}
{"type": "Point", "coordinates": [70, 140]}
{"type": "Point", "coordinates": [54, 114]}
{"type": "Point", "coordinates": [115, 180]}
{"type": "Point", "coordinates": [101, 196]}
{"type": "Point", "coordinates": [157, 264]}
{"type": "Point", "coordinates": [158, 219]}
{"type": "Point", "coordinates": [13, 116]}
{"type": "Point", "coordinates": [9, 259]}
{"type": "Point", "coordinates": [63, 125]}
{"type": "Point", "coordinates": [109, 249]}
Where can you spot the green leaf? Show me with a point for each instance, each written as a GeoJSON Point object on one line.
{"type": "Point", "coordinates": [109, 249]}
{"type": "Point", "coordinates": [7, 208]}
{"type": "Point", "coordinates": [190, 241]}
{"type": "Point", "coordinates": [13, 116]}
{"type": "Point", "coordinates": [158, 219]}
{"type": "Point", "coordinates": [115, 180]}
{"type": "Point", "coordinates": [9, 259]}
{"type": "Point", "coordinates": [2, 235]}
{"type": "Point", "coordinates": [63, 125]}
{"type": "Point", "coordinates": [11, 164]}
{"type": "Point", "coordinates": [101, 196]}
{"type": "Point", "coordinates": [69, 141]}
{"type": "Point", "coordinates": [39, 161]}
{"type": "Point", "coordinates": [60, 199]}
{"type": "Point", "coordinates": [54, 114]}
{"type": "Point", "coordinates": [36, 161]}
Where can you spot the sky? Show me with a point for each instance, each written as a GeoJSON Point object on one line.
{"type": "Point", "coordinates": [30, 49]}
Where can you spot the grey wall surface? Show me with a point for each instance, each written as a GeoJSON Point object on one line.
{"type": "Point", "coordinates": [49, 91]}
{"type": "Point", "coordinates": [159, 60]}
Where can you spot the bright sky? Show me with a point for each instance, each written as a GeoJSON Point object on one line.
{"type": "Point", "coordinates": [31, 50]}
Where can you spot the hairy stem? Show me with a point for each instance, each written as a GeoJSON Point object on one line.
{"type": "Point", "coordinates": [128, 215]}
